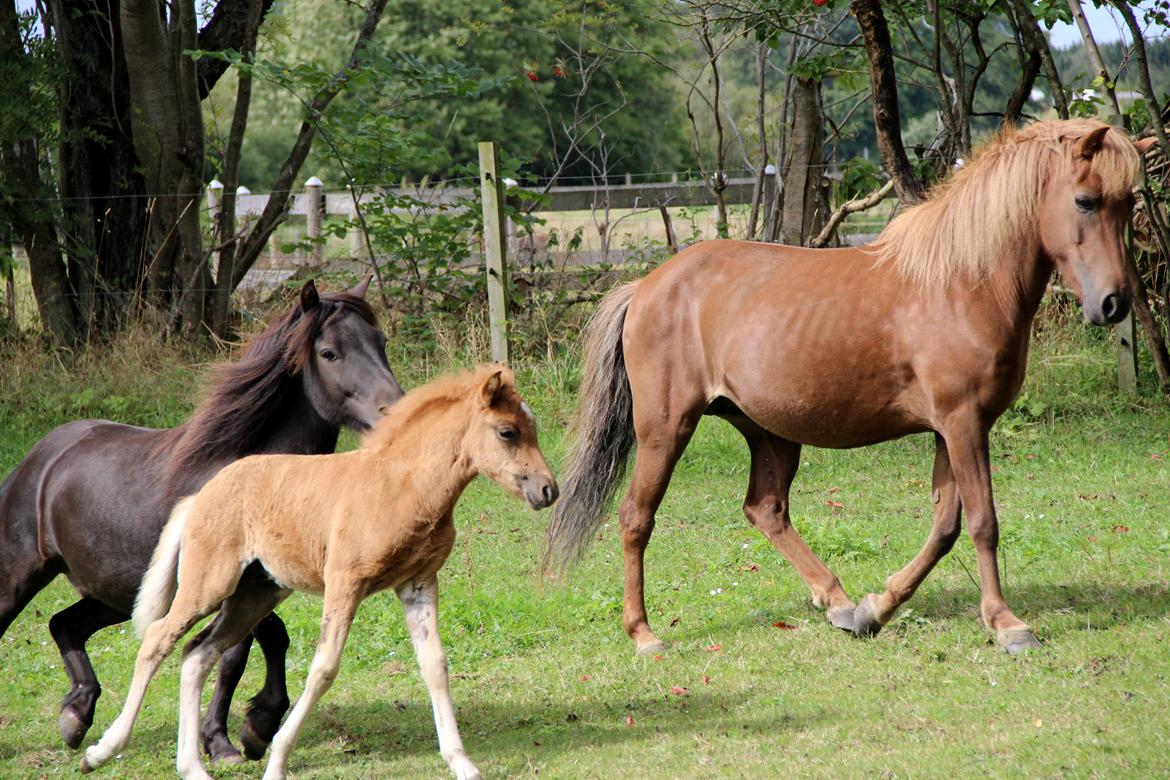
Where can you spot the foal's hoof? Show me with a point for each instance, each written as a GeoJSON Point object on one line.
{"type": "Point", "coordinates": [73, 728]}
{"type": "Point", "coordinates": [651, 647]}
{"type": "Point", "coordinates": [841, 617]}
{"type": "Point", "coordinates": [85, 767]}
{"type": "Point", "coordinates": [1017, 640]}
{"type": "Point", "coordinates": [865, 620]}
{"type": "Point", "coordinates": [254, 745]}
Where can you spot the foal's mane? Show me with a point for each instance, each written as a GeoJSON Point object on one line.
{"type": "Point", "coordinates": [990, 206]}
{"type": "Point", "coordinates": [237, 414]}
{"type": "Point", "coordinates": [436, 395]}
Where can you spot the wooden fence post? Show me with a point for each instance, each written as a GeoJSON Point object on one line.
{"type": "Point", "coordinates": [314, 207]}
{"type": "Point", "coordinates": [214, 205]}
{"type": "Point", "coordinates": [494, 252]}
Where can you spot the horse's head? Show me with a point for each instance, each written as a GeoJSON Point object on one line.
{"type": "Point", "coordinates": [343, 358]}
{"type": "Point", "coordinates": [501, 440]}
{"type": "Point", "coordinates": [1086, 205]}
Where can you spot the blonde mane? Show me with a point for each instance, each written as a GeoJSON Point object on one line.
{"type": "Point", "coordinates": [989, 208]}
{"type": "Point", "coordinates": [442, 392]}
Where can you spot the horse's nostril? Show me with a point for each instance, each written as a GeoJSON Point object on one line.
{"type": "Point", "coordinates": [1114, 307]}
{"type": "Point", "coordinates": [549, 493]}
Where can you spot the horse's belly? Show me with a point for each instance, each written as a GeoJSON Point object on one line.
{"type": "Point", "coordinates": [840, 424]}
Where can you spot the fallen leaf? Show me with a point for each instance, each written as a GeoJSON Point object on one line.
{"type": "Point", "coordinates": [678, 690]}
{"type": "Point", "coordinates": [833, 490]}
{"type": "Point", "coordinates": [629, 721]}
{"type": "Point", "coordinates": [1039, 723]}
{"type": "Point", "coordinates": [835, 504]}
{"type": "Point", "coordinates": [714, 648]}
{"type": "Point", "coordinates": [657, 658]}
{"type": "Point", "coordinates": [675, 621]}
{"type": "Point", "coordinates": [750, 567]}
{"type": "Point", "coordinates": [1031, 456]}
{"type": "Point", "coordinates": [1156, 456]}
{"type": "Point", "coordinates": [586, 677]}
{"type": "Point", "coordinates": [780, 624]}
{"type": "Point", "coordinates": [1120, 529]}
{"type": "Point", "coordinates": [706, 679]}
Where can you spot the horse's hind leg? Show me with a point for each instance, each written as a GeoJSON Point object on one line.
{"type": "Point", "coordinates": [158, 641]}
{"type": "Point", "coordinates": [71, 629]}
{"type": "Point", "coordinates": [236, 618]}
{"type": "Point", "coordinates": [264, 710]}
{"type": "Point", "coordinates": [875, 611]}
{"type": "Point", "coordinates": [774, 464]}
{"type": "Point", "coordinates": [660, 444]}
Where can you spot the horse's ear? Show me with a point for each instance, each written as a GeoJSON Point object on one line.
{"type": "Point", "coordinates": [1145, 144]}
{"type": "Point", "coordinates": [1089, 143]}
{"type": "Point", "coordinates": [359, 289]}
{"type": "Point", "coordinates": [489, 391]}
{"type": "Point", "coordinates": [309, 298]}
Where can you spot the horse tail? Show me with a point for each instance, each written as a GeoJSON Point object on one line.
{"type": "Point", "coordinates": [161, 579]}
{"type": "Point", "coordinates": [604, 427]}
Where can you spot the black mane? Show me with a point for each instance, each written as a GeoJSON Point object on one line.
{"type": "Point", "coordinates": [235, 418]}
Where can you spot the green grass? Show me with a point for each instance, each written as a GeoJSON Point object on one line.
{"type": "Point", "coordinates": [546, 681]}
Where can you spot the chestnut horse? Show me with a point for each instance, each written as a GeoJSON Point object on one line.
{"type": "Point", "coordinates": [90, 499]}
{"type": "Point", "coordinates": [926, 330]}
{"type": "Point", "coordinates": [345, 525]}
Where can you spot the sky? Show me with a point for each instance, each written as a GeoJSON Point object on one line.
{"type": "Point", "coordinates": [1105, 23]}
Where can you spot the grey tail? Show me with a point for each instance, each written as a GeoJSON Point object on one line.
{"type": "Point", "coordinates": [604, 427]}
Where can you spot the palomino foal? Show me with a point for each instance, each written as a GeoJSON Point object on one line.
{"type": "Point", "coordinates": [346, 525]}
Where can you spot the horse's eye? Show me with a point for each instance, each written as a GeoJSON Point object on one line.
{"type": "Point", "coordinates": [1087, 203]}
{"type": "Point", "coordinates": [329, 355]}
{"type": "Point", "coordinates": [507, 433]}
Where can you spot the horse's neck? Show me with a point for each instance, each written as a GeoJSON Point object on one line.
{"type": "Point", "coordinates": [296, 427]}
{"type": "Point", "coordinates": [1018, 285]}
{"type": "Point", "coordinates": [430, 446]}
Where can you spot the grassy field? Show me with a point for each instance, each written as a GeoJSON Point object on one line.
{"type": "Point", "coordinates": [547, 683]}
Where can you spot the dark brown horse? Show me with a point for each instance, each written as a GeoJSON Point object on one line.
{"type": "Point", "coordinates": [91, 498]}
{"type": "Point", "coordinates": [926, 330]}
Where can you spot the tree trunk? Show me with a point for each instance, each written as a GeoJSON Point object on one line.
{"type": "Point", "coordinates": [168, 136]}
{"type": "Point", "coordinates": [25, 200]}
{"type": "Point", "coordinates": [1037, 43]}
{"type": "Point", "coordinates": [883, 83]}
{"type": "Point", "coordinates": [276, 211]}
{"type": "Point", "coordinates": [226, 229]}
{"type": "Point", "coordinates": [103, 203]}
{"type": "Point", "coordinates": [804, 211]}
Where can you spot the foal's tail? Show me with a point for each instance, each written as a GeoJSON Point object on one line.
{"type": "Point", "coordinates": [604, 425]}
{"type": "Point", "coordinates": [161, 580]}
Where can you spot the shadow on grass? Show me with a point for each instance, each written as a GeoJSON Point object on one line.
{"type": "Point", "coordinates": [503, 734]}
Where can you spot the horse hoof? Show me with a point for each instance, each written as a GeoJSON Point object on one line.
{"type": "Point", "coordinates": [1016, 640]}
{"type": "Point", "coordinates": [254, 745]}
{"type": "Point", "coordinates": [650, 648]}
{"type": "Point", "coordinates": [73, 729]}
{"type": "Point", "coordinates": [865, 621]}
{"type": "Point", "coordinates": [85, 766]}
{"type": "Point", "coordinates": [841, 617]}
{"type": "Point", "coordinates": [228, 755]}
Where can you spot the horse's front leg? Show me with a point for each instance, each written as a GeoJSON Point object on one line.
{"type": "Point", "coordinates": [875, 611]}
{"type": "Point", "coordinates": [968, 448]}
{"type": "Point", "coordinates": [420, 601]}
{"type": "Point", "coordinates": [341, 601]}
{"type": "Point", "coordinates": [264, 710]}
{"type": "Point", "coordinates": [71, 628]}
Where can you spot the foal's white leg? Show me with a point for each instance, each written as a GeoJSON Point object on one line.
{"type": "Point", "coordinates": [157, 643]}
{"type": "Point", "coordinates": [335, 622]}
{"type": "Point", "coordinates": [420, 601]}
{"type": "Point", "coordinates": [193, 675]}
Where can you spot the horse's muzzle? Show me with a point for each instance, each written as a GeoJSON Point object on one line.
{"type": "Point", "coordinates": [539, 490]}
{"type": "Point", "coordinates": [1112, 309]}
